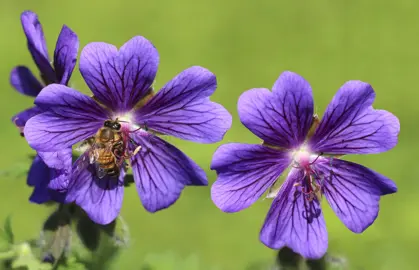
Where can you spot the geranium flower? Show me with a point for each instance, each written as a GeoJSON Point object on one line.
{"type": "Point", "coordinates": [22, 79]}
{"type": "Point", "coordinates": [121, 82]}
{"type": "Point", "coordinates": [292, 137]}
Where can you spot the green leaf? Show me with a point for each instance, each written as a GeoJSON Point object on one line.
{"type": "Point", "coordinates": [6, 235]}
{"type": "Point", "coordinates": [8, 229]}
{"type": "Point", "coordinates": [56, 235]}
{"type": "Point", "coordinates": [118, 231]}
{"type": "Point", "coordinates": [102, 257]}
{"type": "Point", "coordinates": [88, 232]}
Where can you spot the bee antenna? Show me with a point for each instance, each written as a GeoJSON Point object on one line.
{"type": "Point", "coordinates": [132, 131]}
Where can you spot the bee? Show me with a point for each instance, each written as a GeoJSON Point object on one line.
{"type": "Point", "coordinates": [108, 149]}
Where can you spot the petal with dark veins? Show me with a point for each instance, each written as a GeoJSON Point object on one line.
{"type": "Point", "coordinates": [182, 108]}
{"type": "Point", "coordinates": [119, 79]}
{"type": "Point", "coordinates": [295, 222]}
{"type": "Point", "coordinates": [244, 173]}
{"type": "Point", "coordinates": [70, 117]}
{"type": "Point", "coordinates": [353, 191]}
{"type": "Point", "coordinates": [350, 125]}
{"type": "Point", "coordinates": [161, 171]}
{"type": "Point", "coordinates": [282, 117]}
{"type": "Point", "coordinates": [65, 54]}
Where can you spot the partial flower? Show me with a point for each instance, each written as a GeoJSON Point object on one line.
{"type": "Point", "coordinates": [294, 138]}
{"type": "Point", "coordinates": [121, 122]}
{"type": "Point", "coordinates": [26, 83]}
{"type": "Point", "coordinates": [46, 178]}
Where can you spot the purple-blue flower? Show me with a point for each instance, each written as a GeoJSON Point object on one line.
{"type": "Point", "coordinates": [22, 79]}
{"type": "Point", "coordinates": [121, 81]}
{"type": "Point", "coordinates": [293, 137]}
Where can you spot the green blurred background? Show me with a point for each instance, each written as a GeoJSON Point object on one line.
{"type": "Point", "coordinates": [246, 44]}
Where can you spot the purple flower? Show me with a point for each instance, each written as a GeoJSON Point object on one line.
{"type": "Point", "coordinates": [291, 136]}
{"type": "Point", "coordinates": [121, 81]}
{"type": "Point", "coordinates": [26, 83]}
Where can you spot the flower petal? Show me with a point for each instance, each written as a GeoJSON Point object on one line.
{"type": "Point", "coordinates": [65, 55]}
{"type": "Point", "coordinates": [36, 43]}
{"type": "Point", "coordinates": [61, 163]}
{"type": "Point", "coordinates": [295, 222]}
{"type": "Point", "coordinates": [70, 117]}
{"type": "Point", "coordinates": [161, 171]}
{"type": "Point", "coordinates": [351, 126]}
{"type": "Point", "coordinates": [282, 117]}
{"type": "Point", "coordinates": [353, 191]}
{"type": "Point", "coordinates": [21, 118]}
{"type": "Point", "coordinates": [244, 172]}
{"type": "Point", "coordinates": [119, 79]}
{"type": "Point", "coordinates": [57, 160]}
{"type": "Point", "coordinates": [100, 198]}
{"type": "Point", "coordinates": [25, 82]}
{"type": "Point", "coordinates": [182, 108]}
{"type": "Point", "coordinates": [38, 170]}
{"type": "Point", "coordinates": [39, 176]}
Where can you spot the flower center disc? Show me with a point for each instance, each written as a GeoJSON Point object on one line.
{"type": "Point", "coordinates": [302, 157]}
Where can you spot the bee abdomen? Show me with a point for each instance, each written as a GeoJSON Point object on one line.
{"type": "Point", "coordinates": [113, 171]}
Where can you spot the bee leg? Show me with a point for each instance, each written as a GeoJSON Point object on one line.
{"type": "Point", "coordinates": [136, 150]}
{"type": "Point", "coordinates": [128, 155]}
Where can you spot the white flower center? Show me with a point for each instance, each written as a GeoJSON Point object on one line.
{"type": "Point", "coordinates": [127, 120]}
{"type": "Point", "coordinates": [302, 157]}
{"type": "Point", "coordinates": [127, 117]}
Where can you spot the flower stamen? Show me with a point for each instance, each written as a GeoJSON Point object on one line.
{"type": "Point", "coordinates": [303, 160]}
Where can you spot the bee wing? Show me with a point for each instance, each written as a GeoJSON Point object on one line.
{"type": "Point", "coordinates": [84, 163]}
{"type": "Point", "coordinates": [85, 145]}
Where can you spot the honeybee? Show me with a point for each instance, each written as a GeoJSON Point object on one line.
{"type": "Point", "coordinates": [108, 149]}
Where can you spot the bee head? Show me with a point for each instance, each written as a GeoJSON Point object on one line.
{"type": "Point", "coordinates": [112, 125]}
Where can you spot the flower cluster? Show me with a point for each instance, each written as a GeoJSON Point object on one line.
{"type": "Point", "coordinates": [119, 123]}
{"type": "Point", "coordinates": [120, 126]}
{"type": "Point", "coordinates": [65, 55]}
